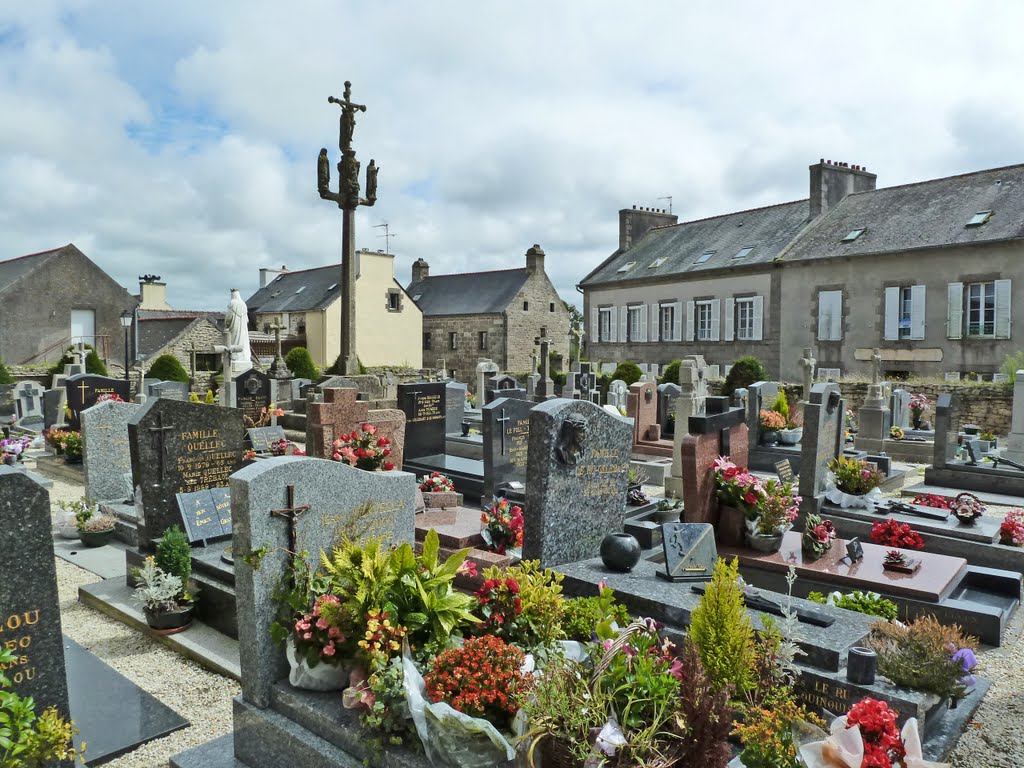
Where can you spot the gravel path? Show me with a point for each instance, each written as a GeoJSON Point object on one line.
{"type": "Point", "coordinates": [994, 739]}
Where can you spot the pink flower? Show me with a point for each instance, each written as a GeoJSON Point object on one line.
{"type": "Point", "coordinates": [329, 649]}
{"type": "Point", "coordinates": [321, 624]}
{"type": "Point", "coordinates": [307, 635]}
{"type": "Point", "coordinates": [468, 568]}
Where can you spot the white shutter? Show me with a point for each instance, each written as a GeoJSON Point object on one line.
{"type": "Point", "coordinates": [730, 315]}
{"type": "Point", "coordinates": [892, 314]}
{"type": "Point", "coordinates": [758, 318]}
{"type": "Point", "coordinates": [677, 321]}
{"type": "Point", "coordinates": [716, 318]}
{"type": "Point", "coordinates": [642, 311]}
{"type": "Point", "coordinates": [595, 325]}
{"type": "Point", "coordinates": [654, 327]}
{"type": "Point", "coordinates": [613, 323]}
{"type": "Point", "coordinates": [623, 324]}
{"type": "Point", "coordinates": [955, 311]}
{"type": "Point", "coordinates": [837, 315]}
{"type": "Point", "coordinates": [691, 326]}
{"type": "Point", "coordinates": [1002, 309]}
{"type": "Point", "coordinates": [917, 311]}
{"type": "Point", "coordinates": [824, 326]}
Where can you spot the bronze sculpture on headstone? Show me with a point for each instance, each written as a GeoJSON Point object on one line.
{"type": "Point", "coordinates": [571, 441]}
{"type": "Point", "coordinates": [348, 199]}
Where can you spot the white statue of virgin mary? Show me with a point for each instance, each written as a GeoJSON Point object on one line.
{"type": "Point", "coordinates": [236, 322]}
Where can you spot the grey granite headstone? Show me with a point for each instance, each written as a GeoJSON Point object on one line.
{"type": "Point", "coordinates": [618, 391]}
{"type": "Point", "coordinates": [900, 405]}
{"type": "Point", "coordinates": [53, 407]}
{"type": "Point", "coordinates": [454, 406]}
{"type": "Point", "coordinates": [28, 398]}
{"type": "Point", "coordinates": [1015, 440]}
{"type": "Point", "coordinates": [760, 397]}
{"type": "Point", "coordinates": [106, 455]}
{"type": "Point", "coordinates": [822, 441]}
{"type": "Point", "coordinates": [578, 463]}
{"type": "Point", "coordinates": [505, 424]}
{"type": "Point", "coordinates": [169, 390]}
{"type": "Point", "coordinates": [337, 495]}
{"type": "Point", "coordinates": [180, 447]}
{"type": "Point", "coordinates": [29, 604]}
{"type": "Point", "coordinates": [531, 384]}
{"type": "Point", "coordinates": [484, 369]}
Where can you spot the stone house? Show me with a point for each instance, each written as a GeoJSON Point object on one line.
{"type": "Point", "coordinates": [307, 303]}
{"type": "Point", "coordinates": [922, 271]}
{"type": "Point", "coordinates": [53, 299]}
{"type": "Point", "coordinates": [496, 315]}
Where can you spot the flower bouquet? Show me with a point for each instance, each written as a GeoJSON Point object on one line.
{"type": "Point", "coordinates": [967, 508]}
{"type": "Point", "coordinates": [439, 492]}
{"type": "Point", "coordinates": [853, 483]}
{"type": "Point", "coordinates": [896, 433]}
{"type": "Point", "coordinates": [364, 449]}
{"type": "Point", "coordinates": [893, 533]}
{"type": "Point", "coordinates": [12, 449]}
{"type": "Point", "coordinates": [771, 423]}
{"type": "Point", "coordinates": [818, 536]}
{"type": "Point", "coordinates": [1011, 531]}
{"type": "Point", "coordinates": [503, 526]}
{"type": "Point", "coordinates": [110, 397]}
{"type": "Point", "coordinates": [918, 405]}
{"type": "Point", "coordinates": [738, 488]}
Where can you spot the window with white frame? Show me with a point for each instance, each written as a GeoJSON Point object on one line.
{"type": "Point", "coordinates": [987, 310]}
{"type": "Point", "coordinates": [605, 324]}
{"type": "Point", "coordinates": [981, 309]}
{"type": "Point", "coordinates": [830, 315]}
{"type": "Point", "coordinates": [704, 321]}
{"type": "Point", "coordinates": [745, 319]}
{"type": "Point", "coordinates": [636, 328]}
{"type": "Point", "coordinates": [904, 312]}
{"type": "Point", "coordinates": [667, 321]}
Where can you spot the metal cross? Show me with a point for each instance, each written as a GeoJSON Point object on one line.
{"type": "Point", "coordinates": [157, 434]}
{"type": "Point", "coordinates": [501, 428]}
{"type": "Point", "coordinates": [291, 514]}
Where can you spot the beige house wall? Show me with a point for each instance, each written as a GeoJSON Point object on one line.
{"type": "Point", "coordinates": [383, 336]}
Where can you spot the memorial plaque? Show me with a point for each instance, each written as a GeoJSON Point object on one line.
{"type": "Point", "coordinates": [425, 418]}
{"type": "Point", "coordinates": [261, 438]}
{"type": "Point", "coordinates": [252, 395]}
{"type": "Point", "coordinates": [690, 551]}
{"type": "Point", "coordinates": [29, 603]}
{"type": "Point", "coordinates": [854, 550]}
{"type": "Point", "coordinates": [455, 406]}
{"type": "Point", "coordinates": [169, 390]}
{"type": "Point", "coordinates": [106, 454]}
{"type": "Point", "coordinates": [785, 471]}
{"type": "Point", "coordinates": [506, 433]}
{"type": "Point", "coordinates": [83, 391]}
{"type": "Point", "coordinates": [180, 447]}
{"type": "Point", "coordinates": [200, 515]}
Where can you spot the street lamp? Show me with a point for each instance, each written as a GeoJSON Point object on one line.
{"type": "Point", "coordinates": [126, 323]}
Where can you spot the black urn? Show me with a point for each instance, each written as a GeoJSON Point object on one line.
{"type": "Point", "coordinates": [620, 552]}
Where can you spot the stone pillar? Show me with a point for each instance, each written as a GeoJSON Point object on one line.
{"type": "Point", "coordinates": [1015, 442]}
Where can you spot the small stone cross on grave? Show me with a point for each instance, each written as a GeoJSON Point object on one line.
{"type": "Point", "coordinates": [876, 365]}
{"type": "Point", "coordinates": [278, 369]}
{"type": "Point", "coordinates": [157, 435]}
{"type": "Point", "coordinates": [545, 387]}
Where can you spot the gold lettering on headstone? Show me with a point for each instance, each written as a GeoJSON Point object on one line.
{"type": "Point", "coordinates": [15, 637]}
{"type": "Point", "coordinates": [427, 408]}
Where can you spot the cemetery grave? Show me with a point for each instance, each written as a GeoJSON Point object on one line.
{"type": "Point", "coordinates": [84, 389]}
{"type": "Point", "coordinates": [642, 407]}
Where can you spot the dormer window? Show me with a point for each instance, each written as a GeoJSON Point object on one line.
{"type": "Point", "coordinates": [981, 217]}
{"type": "Point", "coordinates": [627, 266]}
{"type": "Point", "coordinates": [705, 256]}
{"type": "Point", "coordinates": [853, 234]}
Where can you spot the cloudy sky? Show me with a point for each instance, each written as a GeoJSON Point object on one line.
{"type": "Point", "coordinates": [181, 138]}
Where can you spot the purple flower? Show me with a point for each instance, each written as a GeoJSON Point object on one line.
{"type": "Point", "coordinates": [968, 661]}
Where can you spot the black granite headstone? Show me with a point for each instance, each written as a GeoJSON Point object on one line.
{"type": "Point", "coordinates": [53, 407]}
{"type": "Point", "coordinates": [29, 604]}
{"type": "Point", "coordinates": [83, 390]}
{"type": "Point", "coordinates": [261, 438]}
{"type": "Point", "coordinates": [506, 433]}
{"type": "Point", "coordinates": [425, 418]}
{"type": "Point", "coordinates": [180, 447]}
{"type": "Point", "coordinates": [252, 395]}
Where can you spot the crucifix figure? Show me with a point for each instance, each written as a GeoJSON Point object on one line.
{"type": "Point", "coordinates": [501, 428]}
{"type": "Point", "coordinates": [291, 513]}
{"type": "Point", "coordinates": [347, 198]}
{"type": "Point", "coordinates": [157, 436]}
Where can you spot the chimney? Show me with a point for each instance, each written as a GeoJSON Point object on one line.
{"type": "Point", "coordinates": [535, 260]}
{"type": "Point", "coordinates": [152, 295]}
{"type": "Point", "coordinates": [832, 181]}
{"type": "Point", "coordinates": [420, 270]}
{"type": "Point", "coordinates": [267, 275]}
{"type": "Point", "coordinates": [635, 222]}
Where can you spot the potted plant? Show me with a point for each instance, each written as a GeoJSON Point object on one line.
{"type": "Point", "coordinates": [12, 449]}
{"type": "Point", "coordinates": [72, 442]}
{"type": "Point", "coordinates": [770, 422]}
{"type": "Point", "coordinates": [161, 596]}
{"type": "Point", "coordinates": [896, 433]}
{"type": "Point", "coordinates": [364, 449]}
{"type": "Point", "coordinates": [739, 492]}
{"type": "Point", "coordinates": [988, 441]}
{"type": "Point", "coordinates": [97, 531]}
{"type": "Point", "coordinates": [853, 483]}
{"type": "Point", "coordinates": [919, 403]}
{"type": "Point", "coordinates": [668, 510]}
{"type": "Point", "coordinates": [818, 536]}
{"type": "Point", "coordinates": [439, 491]}
{"type": "Point", "coordinates": [76, 513]}
{"type": "Point", "coordinates": [636, 478]}
{"type": "Point", "coordinates": [791, 432]}
{"type": "Point", "coordinates": [776, 511]}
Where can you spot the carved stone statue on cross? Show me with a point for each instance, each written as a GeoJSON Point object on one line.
{"type": "Point", "coordinates": [226, 350]}
{"type": "Point", "coordinates": [807, 363]}
{"type": "Point", "coordinates": [278, 368]}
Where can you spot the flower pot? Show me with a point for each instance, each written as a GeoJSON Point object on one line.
{"type": "Point", "coordinates": [731, 526]}
{"type": "Point", "coordinates": [169, 622]}
{"type": "Point", "coordinates": [761, 543]}
{"type": "Point", "coordinates": [555, 753]}
{"type": "Point", "coordinates": [67, 526]}
{"type": "Point", "coordinates": [96, 538]}
{"type": "Point", "coordinates": [663, 516]}
{"type": "Point", "coordinates": [72, 459]}
{"type": "Point", "coordinates": [10, 461]}
{"type": "Point", "coordinates": [791, 436]}
{"type": "Point", "coordinates": [322, 677]}
{"type": "Point", "coordinates": [769, 437]}
{"type": "Point", "coordinates": [620, 552]}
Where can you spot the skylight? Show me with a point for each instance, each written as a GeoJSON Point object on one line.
{"type": "Point", "coordinates": [981, 217]}
{"type": "Point", "coordinates": [417, 297]}
{"type": "Point", "coordinates": [627, 266]}
{"type": "Point", "coordinates": [657, 262]}
{"type": "Point", "coordinates": [852, 235]}
{"type": "Point", "coordinates": [705, 256]}
{"type": "Point", "coordinates": [333, 286]}
{"type": "Point", "coordinates": [745, 251]}
{"type": "Point", "coordinates": [301, 289]}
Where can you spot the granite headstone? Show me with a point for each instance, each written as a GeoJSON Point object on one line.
{"type": "Point", "coordinates": [169, 390]}
{"type": "Point", "coordinates": [85, 389]}
{"type": "Point", "coordinates": [53, 407]}
{"type": "Point", "coordinates": [822, 441]}
{"type": "Point", "coordinates": [506, 432]}
{"type": "Point", "coordinates": [253, 396]}
{"type": "Point", "coordinates": [454, 406]}
{"type": "Point", "coordinates": [28, 398]}
{"type": "Point", "coordinates": [425, 418]}
{"type": "Point", "coordinates": [106, 454]}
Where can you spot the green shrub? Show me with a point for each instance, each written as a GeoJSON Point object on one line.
{"type": "Point", "coordinates": [336, 368]}
{"type": "Point", "coordinates": [671, 373]}
{"type": "Point", "coordinates": [582, 615]}
{"type": "Point", "coordinates": [781, 405]}
{"type": "Point", "coordinates": [744, 372]}
{"type": "Point", "coordinates": [174, 555]}
{"type": "Point", "coordinates": [722, 631]}
{"type": "Point", "coordinates": [862, 602]}
{"type": "Point", "coordinates": [93, 364]}
{"type": "Point", "coordinates": [5, 374]}
{"type": "Point", "coordinates": [1012, 364]}
{"type": "Point", "coordinates": [628, 372]}
{"type": "Point", "coordinates": [168, 368]}
{"type": "Point", "coordinates": [301, 364]}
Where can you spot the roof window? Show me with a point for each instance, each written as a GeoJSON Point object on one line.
{"type": "Point", "coordinates": [417, 297]}
{"type": "Point", "coordinates": [627, 266]}
{"type": "Point", "coordinates": [705, 256]}
{"type": "Point", "coordinates": [301, 289]}
{"type": "Point", "coordinates": [981, 217]}
{"type": "Point", "coordinates": [853, 234]}
{"type": "Point", "coordinates": [657, 262]}
{"type": "Point", "coordinates": [333, 286]}
{"type": "Point", "coordinates": [744, 251]}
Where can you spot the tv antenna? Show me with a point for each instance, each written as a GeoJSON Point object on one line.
{"type": "Point", "coordinates": [669, 198]}
{"type": "Point", "coordinates": [387, 236]}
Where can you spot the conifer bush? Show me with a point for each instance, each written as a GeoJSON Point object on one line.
{"type": "Point", "coordinates": [722, 631]}
{"type": "Point", "coordinates": [168, 368]}
{"type": "Point", "coordinates": [671, 373]}
{"type": "Point", "coordinates": [744, 372]}
{"type": "Point", "coordinates": [174, 555]}
{"type": "Point", "coordinates": [301, 364]}
{"type": "Point", "coordinates": [5, 374]}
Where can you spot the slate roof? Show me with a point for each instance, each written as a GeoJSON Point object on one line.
{"type": "Point", "coordinates": [299, 291]}
{"type": "Point", "coordinates": [158, 327]}
{"type": "Point", "coordinates": [14, 269]}
{"type": "Point", "coordinates": [471, 293]}
{"type": "Point", "coordinates": [766, 230]}
{"type": "Point", "coordinates": [927, 214]}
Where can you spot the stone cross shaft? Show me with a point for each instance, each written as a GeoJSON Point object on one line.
{"type": "Point", "coordinates": [157, 433]}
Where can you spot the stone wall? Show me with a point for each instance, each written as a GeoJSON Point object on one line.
{"type": "Point", "coordinates": [464, 358]}
{"type": "Point", "coordinates": [545, 311]}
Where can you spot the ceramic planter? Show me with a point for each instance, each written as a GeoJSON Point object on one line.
{"type": "Point", "coordinates": [769, 437]}
{"type": "Point", "coordinates": [620, 552]}
{"type": "Point", "coordinates": [322, 677]}
{"type": "Point", "coordinates": [791, 436]}
{"type": "Point", "coordinates": [96, 538]}
{"type": "Point", "coordinates": [169, 622]}
{"type": "Point", "coordinates": [667, 515]}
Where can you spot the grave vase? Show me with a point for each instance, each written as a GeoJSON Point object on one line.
{"type": "Point", "coordinates": [915, 418]}
{"type": "Point", "coordinates": [769, 437]}
{"type": "Point", "coordinates": [620, 552]}
{"type": "Point", "coordinates": [731, 527]}
{"type": "Point", "coordinates": [762, 543]}
{"type": "Point", "coordinates": [169, 622]}
{"type": "Point", "coordinates": [322, 677]}
{"type": "Point", "coordinates": [791, 436]}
